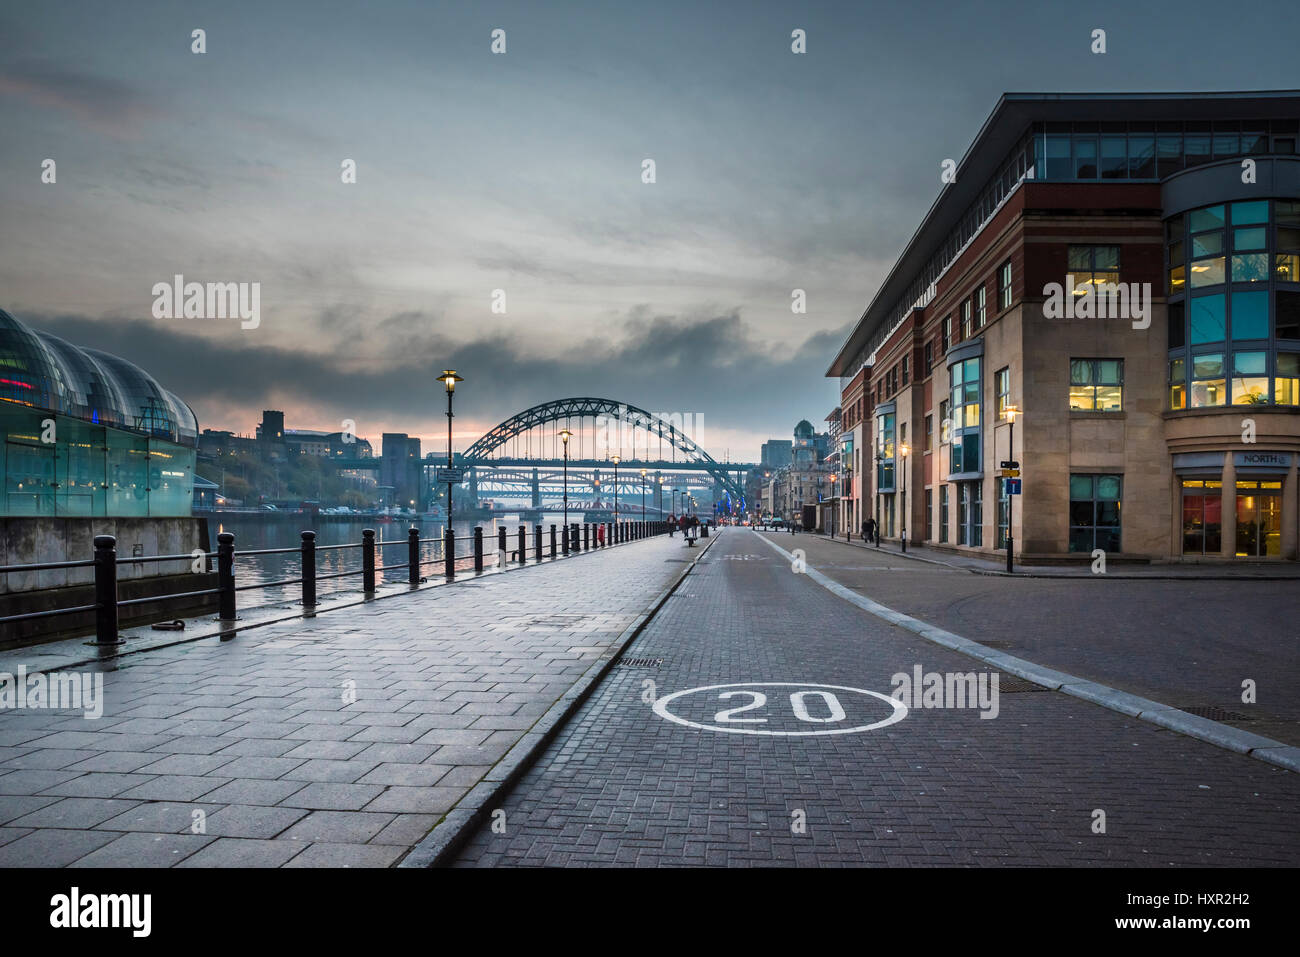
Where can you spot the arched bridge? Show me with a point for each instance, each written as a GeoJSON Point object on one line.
{"type": "Point", "coordinates": [601, 429]}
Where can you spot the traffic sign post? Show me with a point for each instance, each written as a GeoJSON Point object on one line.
{"type": "Point", "coordinates": [1011, 486]}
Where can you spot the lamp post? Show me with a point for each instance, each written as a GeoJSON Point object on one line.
{"type": "Point", "coordinates": [616, 461]}
{"type": "Point", "coordinates": [902, 451]}
{"type": "Point", "coordinates": [449, 378]}
{"type": "Point", "coordinates": [880, 470]}
{"type": "Point", "coordinates": [847, 492]}
{"type": "Point", "coordinates": [836, 501]}
{"type": "Point", "coordinates": [565, 435]}
{"type": "Point", "coordinates": [1011, 411]}
{"type": "Point", "coordinates": [659, 480]}
{"type": "Point", "coordinates": [643, 471]}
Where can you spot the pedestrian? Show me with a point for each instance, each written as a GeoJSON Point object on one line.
{"type": "Point", "coordinates": [868, 530]}
{"type": "Point", "coordinates": [600, 535]}
{"type": "Point", "coordinates": [672, 525]}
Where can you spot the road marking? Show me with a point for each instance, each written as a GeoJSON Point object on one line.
{"type": "Point", "coordinates": [798, 705]}
{"type": "Point", "coordinates": [1153, 712]}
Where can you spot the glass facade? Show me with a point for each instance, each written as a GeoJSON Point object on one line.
{"type": "Point", "coordinates": [88, 434]}
{"type": "Point", "coordinates": [1234, 313]}
{"type": "Point", "coordinates": [966, 382]}
{"type": "Point", "coordinates": [1095, 512]}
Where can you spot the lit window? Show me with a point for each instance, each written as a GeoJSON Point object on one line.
{"type": "Point", "coordinates": [1096, 385]}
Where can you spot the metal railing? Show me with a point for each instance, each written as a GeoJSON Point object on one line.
{"type": "Point", "coordinates": [528, 545]}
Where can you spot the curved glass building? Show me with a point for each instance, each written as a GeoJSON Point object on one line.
{"type": "Point", "coordinates": [87, 433]}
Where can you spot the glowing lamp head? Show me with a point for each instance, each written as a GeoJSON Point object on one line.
{"type": "Point", "coordinates": [450, 378]}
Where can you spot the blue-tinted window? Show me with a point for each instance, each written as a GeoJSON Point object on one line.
{"type": "Point", "coordinates": [1244, 214]}
{"type": "Point", "coordinates": [1058, 158]}
{"type": "Point", "coordinates": [1114, 157]}
{"type": "Point", "coordinates": [1249, 314]}
{"type": "Point", "coordinates": [1208, 319]}
{"type": "Point", "coordinates": [1211, 217]}
{"type": "Point", "coordinates": [1141, 156]}
{"type": "Point", "coordinates": [1085, 157]}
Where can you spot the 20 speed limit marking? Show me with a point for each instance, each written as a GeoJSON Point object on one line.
{"type": "Point", "coordinates": [809, 704]}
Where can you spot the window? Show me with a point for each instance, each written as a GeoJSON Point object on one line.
{"type": "Point", "coordinates": [981, 310]}
{"type": "Point", "coordinates": [1002, 382]}
{"type": "Point", "coordinates": [929, 432]}
{"type": "Point", "coordinates": [905, 376]}
{"type": "Point", "coordinates": [943, 513]}
{"type": "Point", "coordinates": [1202, 516]}
{"type": "Point", "coordinates": [965, 403]}
{"type": "Point", "coordinates": [966, 329]}
{"type": "Point", "coordinates": [1209, 319]}
{"type": "Point", "coordinates": [1208, 381]}
{"type": "Point", "coordinates": [1286, 321]}
{"type": "Point", "coordinates": [885, 452]}
{"type": "Point", "coordinates": [947, 334]}
{"type": "Point", "coordinates": [1004, 513]}
{"type": "Point", "coordinates": [970, 514]}
{"type": "Point", "coordinates": [1178, 383]}
{"type": "Point", "coordinates": [1095, 512]}
{"type": "Point", "coordinates": [1286, 384]}
{"type": "Point", "coordinates": [929, 514]}
{"type": "Point", "coordinates": [1096, 385]}
{"type": "Point", "coordinates": [1093, 265]}
{"type": "Point", "coordinates": [1250, 378]}
{"type": "Point", "coordinates": [929, 357]}
{"type": "Point", "coordinates": [1004, 285]}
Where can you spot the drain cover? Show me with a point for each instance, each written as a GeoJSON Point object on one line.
{"type": "Point", "coordinates": [1010, 684]}
{"type": "Point", "coordinates": [1215, 713]}
{"type": "Point", "coordinates": [640, 662]}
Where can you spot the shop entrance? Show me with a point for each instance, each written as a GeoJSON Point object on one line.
{"type": "Point", "coordinates": [1259, 519]}
{"type": "Point", "coordinates": [1202, 516]}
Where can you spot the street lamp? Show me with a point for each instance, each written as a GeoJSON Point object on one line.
{"type": "Point", "coordinates": [902, 451]}
{"type": "Point", "coordinates": [659, 480]}
{"type": "Point", "coordinates": [565, 435]}
{"type": "Point", "coordinates": [643, 471]}
{"type": "Point", "coordinates": [616, 461]}
{"type": "Point", "coordinates": [848, 500]}
{"type": "Point", "coordinates": [449, 379]}
{"type": "Point", "coordinates": [880, 475]}
{"type": "Point", "coordinates": [1010, 412]}
{"type": "Point", "coordinates": [836, 501]}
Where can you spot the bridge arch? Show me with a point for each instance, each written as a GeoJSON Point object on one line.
{"type": "Point", "coordinates": [590, 407]}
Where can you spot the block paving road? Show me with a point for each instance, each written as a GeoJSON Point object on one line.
{"type": "Point", "coordinates": [257, 733]}
{"type": "Point", "coordinates": [621, 785]}
{"type": "Point", "coordinates": [1184, 643]}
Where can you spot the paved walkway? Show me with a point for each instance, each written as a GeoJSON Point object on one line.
{"type": "Point", "coordinates": [984, 565]}
{"type": "Point", "coordinates": [1188, 644]}
{"type": "Point", "coordinates": [334, 741]}
{"type": "Point", "coordinates": [624, 785]}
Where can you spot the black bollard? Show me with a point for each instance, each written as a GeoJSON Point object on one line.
{"type": "Point", "coordinates": [308, 569]}
{"type": "Point", "coordinates": [478, 549]}
{"type": "Point", "coordinates": [106, 591]}
{"type": "Point", "coordinates": [226, 576]}
{"type": "Point", "coordinates": [368, 560]}
{"type": "Point", "coordinates": [413, 555]}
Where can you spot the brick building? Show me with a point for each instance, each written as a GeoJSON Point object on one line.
{"type": "Point", "coordinates": [1122, 270]}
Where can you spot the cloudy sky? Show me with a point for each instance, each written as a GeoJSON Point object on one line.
{"type": "Point", "coordinates": [522, 172]}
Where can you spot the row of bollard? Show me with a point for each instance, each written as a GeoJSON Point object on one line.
{"type": "Point", "coordinates": [593, 535]}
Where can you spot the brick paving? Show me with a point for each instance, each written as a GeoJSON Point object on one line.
{"type": "Point", "coordinates": [254, 737]}
{"type": "Point", "coordinates": [1182, 643]}
{"type": "Point", "coordinates": [622, 786]}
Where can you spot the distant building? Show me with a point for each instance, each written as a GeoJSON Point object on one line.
{"type": "Point", "coordinates": [401, 468]}
{"type": "Point", "coordinates": [776, 453]}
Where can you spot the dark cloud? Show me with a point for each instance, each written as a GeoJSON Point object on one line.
{"type": "Point", "coordinates": [713, 366]}
{"type": "Point", "coordinates": [107, 104]}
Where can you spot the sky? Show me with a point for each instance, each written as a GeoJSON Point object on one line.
{"type": "Point", "coordinates": [522, 172]}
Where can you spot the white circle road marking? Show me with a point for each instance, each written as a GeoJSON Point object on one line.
{"type": "Point", "coordinates": [899, 713]}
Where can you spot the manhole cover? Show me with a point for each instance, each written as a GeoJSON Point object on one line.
{"type": "Point", "coordinates": [1215, 713]}
{"type": "Point", "coordinates": [640, 662]}
{"type": "Point", "coordinates": [1010, 684]}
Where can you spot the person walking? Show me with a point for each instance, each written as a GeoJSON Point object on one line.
{"type": "Point", "coordinates": [600, 535]}
{"type": "Point", "coordinates": [868, 530]}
